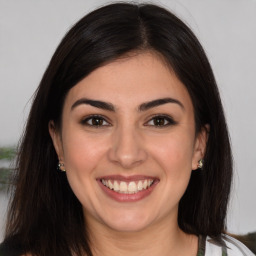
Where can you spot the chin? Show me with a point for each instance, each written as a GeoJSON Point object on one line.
{"type": "Point", "coordinates": [128, 222]}
{"type": "Point", "coordinates": [128, 227]}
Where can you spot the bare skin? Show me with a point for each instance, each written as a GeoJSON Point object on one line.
{"type": "Point", "coordinates": [135, 134]}
{"type": "Point", "coordinates": [157, 240]}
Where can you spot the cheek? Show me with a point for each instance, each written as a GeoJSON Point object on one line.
{"type": "Point", "coordinates": [174, 156]}
{"type": "Point", "coordinates": [82, 152]}
{"type": "Point", "coordinates": [174, 153]}
{"type": "Point", "coordinates": [82, 155]}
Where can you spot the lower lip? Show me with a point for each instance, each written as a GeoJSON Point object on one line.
{"type": "Point", "coordinates": [128, 197]}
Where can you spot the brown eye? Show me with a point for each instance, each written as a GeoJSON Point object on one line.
{"type": "Point", "coordinates": [95, 121]}
{"type": "Point", "coordinates": [161, 121]}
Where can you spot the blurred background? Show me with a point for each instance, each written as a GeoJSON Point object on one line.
{"type": "Point", "coordinates": [31, 30]}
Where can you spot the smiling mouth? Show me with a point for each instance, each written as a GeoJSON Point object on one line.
{"type": "Point", "coordinates": [127, 187]}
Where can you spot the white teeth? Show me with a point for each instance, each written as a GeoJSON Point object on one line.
{"type": "Point", "coordinates": [132, 187]}
{"type": "Point", "coordinates": [116, 186]}
{"type": "Point", "coordinates": [127, 187]}
{"type": "Point", "coordinates": [140, 186]}
{"type": "Point", "coordinates": [123, 187]}
{"type": "Point", "coordinates": [110, 185]}
{"type": "Point", "coordinates": [145, 184]}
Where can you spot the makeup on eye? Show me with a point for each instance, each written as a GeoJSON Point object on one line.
{"type": "Point", "coordinates": [95, 121]}
{"type": "Point", "coordinates": [159, 121]}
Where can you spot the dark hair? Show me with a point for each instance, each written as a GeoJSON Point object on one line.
{"type": "Point", "coordinates": [45, 217]}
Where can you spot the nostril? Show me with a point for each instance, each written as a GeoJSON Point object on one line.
{"type": "Point", "coordinates": [127, 157]}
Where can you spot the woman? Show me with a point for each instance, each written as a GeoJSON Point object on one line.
{"type": "Point", "coordinates": [129, 111]}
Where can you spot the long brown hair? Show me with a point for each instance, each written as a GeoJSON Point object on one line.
{"type": "Point", "coordinates": [45, 217]}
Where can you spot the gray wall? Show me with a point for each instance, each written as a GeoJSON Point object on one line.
{"type": "Point", "coordinates": [31, 30]}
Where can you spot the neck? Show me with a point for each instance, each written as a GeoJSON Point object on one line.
{"type": "Point", "coordinates": [160, 239]}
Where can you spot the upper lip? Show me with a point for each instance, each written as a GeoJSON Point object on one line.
{"type": "Point", "coordinates": [127, 178]}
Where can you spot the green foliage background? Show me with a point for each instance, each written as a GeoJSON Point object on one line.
{"type": "Point", "coordinates": [6, 153]}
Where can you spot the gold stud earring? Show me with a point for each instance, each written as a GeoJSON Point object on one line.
{"type": "Point", "coordinates": [200, 164]}
{"type": "Point", "coordinates": [61, 167]}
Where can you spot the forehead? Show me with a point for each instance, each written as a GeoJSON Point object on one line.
{"type": "Point", "coordinates": [131, 81]}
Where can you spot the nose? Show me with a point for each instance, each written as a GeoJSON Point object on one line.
{"type": "Point", "coordinates": [127, 148]}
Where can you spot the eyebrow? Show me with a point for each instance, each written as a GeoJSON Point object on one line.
{"type": "Point", "coordinates": [155, 103]}
{"type": "Point", "coordinates": [94, 103]}
{"type": "Point", "coordinates": [110, 107]}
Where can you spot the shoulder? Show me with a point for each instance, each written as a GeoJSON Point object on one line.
{"type": "Point", "coordinates": [227, 245]}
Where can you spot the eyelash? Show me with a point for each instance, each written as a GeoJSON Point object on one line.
{"type": "Point", "coordinates": [168, 121]}
{"type": "Point", "coordinates": [95, 117]}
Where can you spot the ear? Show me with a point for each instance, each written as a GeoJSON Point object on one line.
{"type": "Point", "coordinates": [56, 139]}
{"type": "Point", "coordinates": [200, 146]}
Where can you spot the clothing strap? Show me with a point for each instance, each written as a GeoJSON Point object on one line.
{"type": "Point", "coordinates": [202, 246]}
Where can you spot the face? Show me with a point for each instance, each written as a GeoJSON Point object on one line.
{"type": "Point", "coordinates": [128, 143]}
